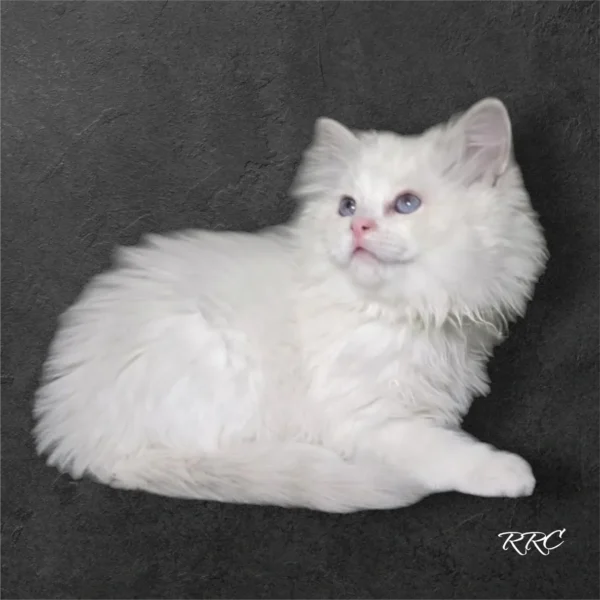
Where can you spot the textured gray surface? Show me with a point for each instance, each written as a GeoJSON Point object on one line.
{"type": "Point", "coordinates": [122, 118]}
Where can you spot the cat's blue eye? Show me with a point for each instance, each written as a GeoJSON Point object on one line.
{"type": "Point", "coordinates": [347, 206]}
{"type": "Point", "coordinates": [406, 203]}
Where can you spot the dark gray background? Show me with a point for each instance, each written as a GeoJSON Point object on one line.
{"type": "Point", "coordinates": [122, 118]}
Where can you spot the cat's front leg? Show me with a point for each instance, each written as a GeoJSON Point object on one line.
{"type": "Point", "coordinates": [445, 459]}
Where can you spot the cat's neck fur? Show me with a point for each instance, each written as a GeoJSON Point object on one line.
{"type": "Point", "coordinates": [329, 289]}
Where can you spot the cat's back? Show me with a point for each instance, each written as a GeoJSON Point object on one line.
{"type": "Point", "coordinates": [191, 270]}
{"type": "Point", "coordinates": [194, 289]}
{"type": "Point", "coordinates": [194, 262]}
{"type": "Point", "coordinates": [166, 343]}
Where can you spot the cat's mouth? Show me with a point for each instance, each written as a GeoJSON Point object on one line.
{"type": "Point", "coordinates": [360, 253]}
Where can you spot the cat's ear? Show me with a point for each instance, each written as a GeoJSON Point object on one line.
{"type": "Point", "coordinates": [480, 142]}
{"type": "Point", "coordinates": [332, 137]}
{"type": "Point", "coordinates": [325, 159]}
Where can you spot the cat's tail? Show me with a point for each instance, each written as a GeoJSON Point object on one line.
{"type": "Point", "coordinates": [294, 475]}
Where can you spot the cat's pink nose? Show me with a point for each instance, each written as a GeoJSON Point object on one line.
{"type": "Point", "coordinates": [360, 226]}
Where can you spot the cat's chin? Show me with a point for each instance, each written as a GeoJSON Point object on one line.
{"type": "Point", "coordinates": [368, 270]}
{"type": "Point", "coordinates": [365, 268]}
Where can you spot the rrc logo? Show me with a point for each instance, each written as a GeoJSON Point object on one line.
{"type": "Point", "coordinates": [522, 543]}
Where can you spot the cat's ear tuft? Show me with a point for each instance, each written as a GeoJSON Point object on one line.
{"type": "Point", "coordinates": [325, 160]}
{"type": "Point", "coordinates": [481, 142]}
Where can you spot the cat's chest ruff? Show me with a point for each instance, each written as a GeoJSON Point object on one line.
{"type": "Point", "coordinates": [419, 370]}
{"type": "Point", "coordinates": [378, 346]}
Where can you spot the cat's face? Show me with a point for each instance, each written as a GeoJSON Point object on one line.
{"type": "Point", "coordinates": [440, 221]}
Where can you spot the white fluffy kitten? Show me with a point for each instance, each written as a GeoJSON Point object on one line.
{"type": "Point", "coordinates": [326, 363]}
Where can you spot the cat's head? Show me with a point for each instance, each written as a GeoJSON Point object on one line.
{"type": "Point", "coordinates": [439, 223]}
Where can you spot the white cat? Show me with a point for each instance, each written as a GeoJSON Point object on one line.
{"type": "Point", "coordinates": [326, 363]}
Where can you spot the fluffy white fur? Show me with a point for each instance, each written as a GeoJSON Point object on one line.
{"type": "Point", "coordinates": [281, 367]}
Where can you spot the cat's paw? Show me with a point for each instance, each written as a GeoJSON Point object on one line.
{"type": "Point", "coordinates": [500, 474]}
